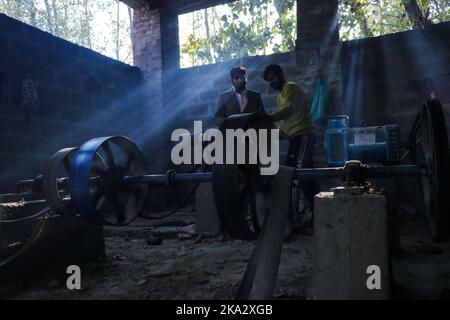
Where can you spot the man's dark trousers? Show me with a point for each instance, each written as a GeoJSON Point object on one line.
{"type": "Point", "coordinates": [300, 156]}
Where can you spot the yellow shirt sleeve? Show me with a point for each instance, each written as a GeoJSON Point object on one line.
{"type": "Point", "coordinates": [289, 100]}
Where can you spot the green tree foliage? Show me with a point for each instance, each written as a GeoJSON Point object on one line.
{"type": "Point", "coordinates": [366, 18]}
{"type": "Point", "coordinates": [97, 25]}
{"type": "Point", "coordinates": [239, 29]}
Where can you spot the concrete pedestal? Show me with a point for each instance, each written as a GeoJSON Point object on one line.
{"type": "Point", "coordinates": [350, 245]}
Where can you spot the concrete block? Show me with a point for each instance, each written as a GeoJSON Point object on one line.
{"type": "Point", "coordinates": [350, 236]}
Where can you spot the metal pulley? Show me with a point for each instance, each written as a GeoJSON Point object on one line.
{"type": "Point", "coordinates": [55, 179]}
{"type": "Point", "coordinates": [96, 188]}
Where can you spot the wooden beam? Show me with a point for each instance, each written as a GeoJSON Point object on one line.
{"type": "Point", "coordinates": [179, 6]}
{"type": "Point", "coordinates": [136, 4]}
{"type": "Point", "coordinates": [185, 6]}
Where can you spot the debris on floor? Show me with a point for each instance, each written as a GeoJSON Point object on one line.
{"type": "Point", "coordinates": [152, 262]}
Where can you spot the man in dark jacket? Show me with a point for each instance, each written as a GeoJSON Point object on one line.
{"type": "Point", "coordinates": [239, 99]}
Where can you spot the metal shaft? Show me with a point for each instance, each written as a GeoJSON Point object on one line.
{"type": "Point", "coordinates": [403, 171]}
{"type": "Point", "coordinates": [162, 179]}
{"type": "Point", "coordinates": [371, 172]}
{"type": "Point", "coordinates": [321, 173]}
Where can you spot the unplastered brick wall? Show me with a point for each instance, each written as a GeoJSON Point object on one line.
{"type": "Point", "coordinates": [147, 55]}
{"type": "Point", "coordinates": [55, 94]}
{"type": "Point", "coordinates": [384, 77]}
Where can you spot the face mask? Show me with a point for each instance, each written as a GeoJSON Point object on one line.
{"type": "Point", "coordinates": [239, 85]}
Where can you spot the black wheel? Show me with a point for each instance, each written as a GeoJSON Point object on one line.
{"type": "Point", "coordinates": [235, 186]}
{"type": "Point", "coordinates": [234, 196]}
{"type": "Point", "coordinates": [434, 156]}
{"type": "Point", "coordinates": [54, 184]}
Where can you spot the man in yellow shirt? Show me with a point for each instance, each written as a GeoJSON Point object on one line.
{"type": "Point", "coordinates": [293, 118]}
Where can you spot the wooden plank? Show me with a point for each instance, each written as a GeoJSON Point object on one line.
{"type": "Point", "coordinates": [260, 276]}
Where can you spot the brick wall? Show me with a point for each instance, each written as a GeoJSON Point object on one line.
{"type": "Point", "coordinates": [384, 77]}
{"type": "Point", "coordinates": [80, 95]}
{"type": "Point", "coordinates": [148, 33]}
{"type": "Point", "coordinates": [146, 41]}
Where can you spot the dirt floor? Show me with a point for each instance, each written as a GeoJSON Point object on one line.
{"type": "Point", "coordinates": [183, 266]}
{"type": "Point", "coordinates": [186, 266]}
{"type": "Point", "coordinates": [421, 270]}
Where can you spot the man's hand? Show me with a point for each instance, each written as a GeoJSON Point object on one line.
{"type": "Point", "coordinates": [265, 116]}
